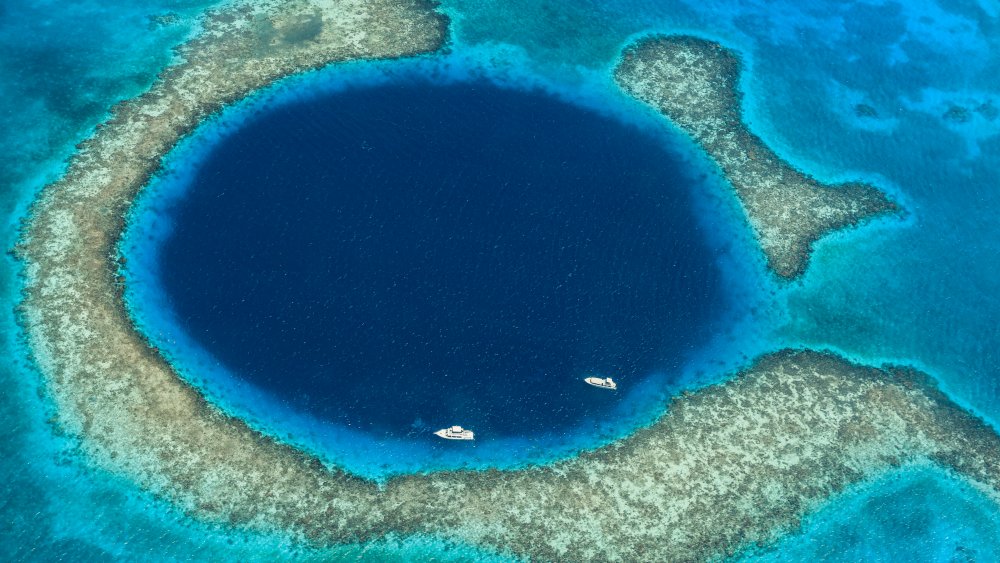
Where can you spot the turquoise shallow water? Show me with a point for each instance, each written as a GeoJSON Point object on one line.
{"type": "Point", "coordinates": [896, 91]}
{"type": "Point", "coordinates": [917, 515]}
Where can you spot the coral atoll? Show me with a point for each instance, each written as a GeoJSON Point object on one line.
{"type": "Point", "coordinates": [725, 467]}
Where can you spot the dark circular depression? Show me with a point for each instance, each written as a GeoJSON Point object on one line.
{"type": "Point", "coordinates": [408, 256]}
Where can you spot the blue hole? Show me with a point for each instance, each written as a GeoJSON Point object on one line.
{"type": "Point", "coordinates": [441, 254]}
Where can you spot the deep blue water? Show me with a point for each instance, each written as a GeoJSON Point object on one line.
{"type": "Point", "coordinates": [923, 292]}
{"type": "Point", "coordinates": [417, 254]}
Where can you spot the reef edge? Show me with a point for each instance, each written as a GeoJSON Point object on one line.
{"type": "Point", "coordinates": [694, 83]}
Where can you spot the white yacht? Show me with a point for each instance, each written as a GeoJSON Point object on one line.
{"type": "Point", "coordinates": [602, 383]}
{"type": "Point", "coordinates": [455, 433]}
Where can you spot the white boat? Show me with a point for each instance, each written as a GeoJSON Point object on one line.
{"type": "Point", "coordinates": [455, 433]}
{"type": "Point", "coordinates": [602, 383]}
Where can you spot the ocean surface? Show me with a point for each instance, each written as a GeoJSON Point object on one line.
{"type": "Point", "coordinates": [902, 94]}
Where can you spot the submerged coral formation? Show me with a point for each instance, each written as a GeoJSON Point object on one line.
{"type": "Point", "coordinates": [725, 467]}
{"type": "Point", "coordinates": [108, 385]}
{"type": "Point", "coordinates": [694, 82]}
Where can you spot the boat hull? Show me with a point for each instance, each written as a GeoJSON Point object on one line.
{"type": "Point", "coordinates": [444, 434]}
{"type": "Point", "coordinates": [600, 383]}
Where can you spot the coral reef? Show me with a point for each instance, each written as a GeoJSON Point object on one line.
{"type": "Point", "coordinates": [725, 467]}
{"type": "Point", "coordinates": [694, 82]}
{"type": "Point", "coordinates": [108, 385]}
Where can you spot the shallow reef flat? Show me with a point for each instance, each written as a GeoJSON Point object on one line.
{"type": "Point", "coordinates": [108, 386]}
{"type": "Point", "coordinates": [695, 83]}
{"type": "Point", "coordinates": [725, 468]}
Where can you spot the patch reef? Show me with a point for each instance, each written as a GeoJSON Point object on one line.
{"type": "Point", "coordinates": [725, 468]}
{"type": "Point", "coordinates": [694, 83]}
